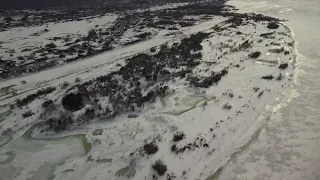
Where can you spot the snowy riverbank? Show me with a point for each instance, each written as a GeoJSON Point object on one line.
{"type": "Point", "coordinates": [205, 104]}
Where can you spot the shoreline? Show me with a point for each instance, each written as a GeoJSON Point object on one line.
{"type": "Point", "coordinates": [286, 97]}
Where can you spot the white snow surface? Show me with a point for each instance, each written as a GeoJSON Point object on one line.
{"type": "Point", "coordinates": [196, 112]}
{"type": "Point", "coordinates": [17, 39]}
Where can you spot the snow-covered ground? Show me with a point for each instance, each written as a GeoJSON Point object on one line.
{"type": "Point", "coordinates": [15, 41]}
{"type": "Point", "coordinates": [216, 121]}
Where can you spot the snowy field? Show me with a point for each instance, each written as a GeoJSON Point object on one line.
{"type": "Point", "coordinates": [193, 129]}
{"type": "Point", "coordinates": [15, 41]}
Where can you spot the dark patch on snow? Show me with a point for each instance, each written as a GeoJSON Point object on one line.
{"type": "Point", "coordinates": [266, 34]}
{"type": "Point", "coordinates": [48, 103]}
{"type": "Point", "coordinates": [283, 66]}
{"type": "Point", "coordinates": [260, 94]}
{"type": "Point", "coordinates": [197, 143]}
{"type": "Point", "coordinates": [267, 77]}
{"type": "Point", "coordinates": [178, 136]}
{"type": "Point", "coordinates": [27, 114]}
{"type": "Point", "coordinates": [133, 116]}
{"type": "Point", "coordinates": [173, 148]}
{"type": "Point", "coordinates": [73, 101]}
{"type": "Point", "coordinates": [227, 106]}
{"type": "Point", "coordinates": [279, 78]}
{"type": "Point", "coordinates": [150, 148]}
{"type": "Point", "coordinates": [34, 96]}
{"type": "Point", "coordinates": [171, 176]}
{"type": "Point", "coordinates": [255, 54]}
{"type": "Point", "coordinates": [273, 25]}
{"type": "Point", "coordinates": [160, 167]}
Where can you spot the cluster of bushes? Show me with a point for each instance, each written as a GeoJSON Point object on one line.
{"type": "Point", "coordinates": [191, 146]}
{"type": "Point", "coordinates": [206, 82]}
{"type": "Point", "coordinates": [31, 97]}
{"type": "Point", "coordinates": [178, 136]}
{"type": "Point", "coordinates": [124, 89]}
{"type": "Point", "coordinates": [27, 114]}
{"type": "Point", "coordinates": [60, 123]}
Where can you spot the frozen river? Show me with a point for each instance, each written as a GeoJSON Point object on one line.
{"type": "Point", "coordinates": [288, 147]}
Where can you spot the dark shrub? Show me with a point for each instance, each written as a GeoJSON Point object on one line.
{"type": "Point", "coordinates": [227, 106]}
{"type": "Point", "coordinates": [132, 116]}
{"type": "Point", "coordinates": [150, 148]}
{"type": "Point", "coordinates": [245, 45]}
{"type": "Point", "coordinates": [173, 28]}
{"type": "Point", "coordinates": [47, 104]}
{"type": "Point", "coordinates": [255, 54]}
{"type": "Point", "coordinates": [273, 25]}
{"type": "Point", "coordinates": [268, 77]}
{"type": "Point", "coordinates": [283, 66]}
{"type": "Point", "coordinates": [8, 19]}
{"type": "Point", "coordinates": [27, 114]}
{"type": "Point", "coordinates": [159, 167]}
{"type": "Point", "coordinates": [32, 97]}
{"type": "Point", "coordinates": [207, 81]}
{"type": "Point", "coordinates": [266, 34]}
{"type": "Point", "coordinates": [65, 85]}
{"type": "Point", "coordinates": [279, 78]}
{"type": "Point", "coordinates": [205, 145]}
{"type": "Point", "coordinates": [89, 113]}
{"type": "Point", "coordinates": [178, 136]}
{"type": "Point", "coordinates": [50, 45]}
{"type": "Point", "coordinates": [92, 34]}
{"type": "Point", "coordinates": [20, 58]}
{"type": "Point", "coordinates": [25, 17]}
{"type": "Point", "coordinates": [143, 35]}
{"type": "Point", "coordinates": [77, 80]}
{"type": "Point", "coordinates": [153, 50]}
{"type": "Point", "coordinates": [185, 24]}
{"type": "Point", "coordinates": [59, 124]}
{"type": "Point", "coordinates": [166, 22]}
{"type": "Point", "coordinates": [73, 102]}
{"type": "Point", "coordinates": [174, 148]}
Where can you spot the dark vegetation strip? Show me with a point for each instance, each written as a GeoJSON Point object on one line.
{"type": "Point", "coordinates": [141, 80]}
{"type": "Point", "coordinates": [25, 101]}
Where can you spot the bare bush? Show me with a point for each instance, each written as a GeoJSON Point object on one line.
{"type": "Point", "coordinates": [160, 167]}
